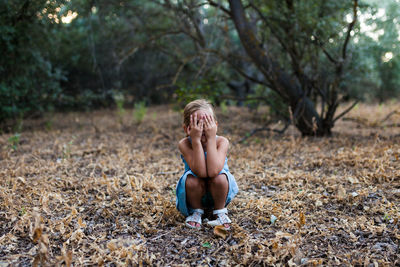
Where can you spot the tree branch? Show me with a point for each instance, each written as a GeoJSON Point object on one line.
{"type": "Point", "coordinates": [321, 45]}
{"type": "Point", "coordinates": [349, 29]}
{"type": "Point", "coordinates": [133, 50]}
{"type": "Point", "coordinates": [390, 115]}
{"type": "Point", "coordinates": [346, 111]}
{"type": "Point", "coordinates": [238, 69]}
{"type": "Point", "coordinates": [212, 3]}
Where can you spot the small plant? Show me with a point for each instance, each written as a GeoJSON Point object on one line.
{"type": "Point", "coordinates": [120, 101]}
{"type": "Point", "coordinates": [67, 149]}
{"type": "Point", "coordinates": [386, 218]}
{"type": "Point", "coordinates": [22, 211]}
{"type": "Point", "coordinates": [139, 111]}
{"type": "Point", "coordinates": [49, 125]}
{"type": "Point", "coordinates": [224, 107]}
{"type": "Point", "coordinates": [14, 141]}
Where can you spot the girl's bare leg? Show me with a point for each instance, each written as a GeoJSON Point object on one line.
{"type": "Point", "coordinates": [195, 190]}
{"type": "Point", "coordinates": [219, 186]}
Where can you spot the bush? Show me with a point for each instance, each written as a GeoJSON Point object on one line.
{"type": "Point", "coordinates": [29, 82]}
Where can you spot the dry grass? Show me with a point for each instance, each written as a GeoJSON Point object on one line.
{"type": "Point", "coordinates": [84, 189]}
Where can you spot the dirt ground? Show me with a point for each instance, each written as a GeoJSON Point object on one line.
{"type": "Point", "coordinates": [98, 188]}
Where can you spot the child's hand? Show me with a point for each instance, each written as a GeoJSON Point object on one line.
{"type": "Point", "coordinates": [210, 126]}
{"type": "Point", "coordinates": [195, 127]}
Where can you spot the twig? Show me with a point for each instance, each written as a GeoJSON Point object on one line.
{"type": "Point", "coordinates": [390, 114]}
{"type": "Point", "coordinates": [212, 3]}
{"type": "Point", "coordinates": [157, 237]}
{"type": "Point", "coordinates": [164, 173]}
{"type": "Point", "coordinates": [327, 54]}
{"type": "Point", "coordinates": [228, 59]}
{"type": "Point", "coordinates": [392, 125]}
{"type": "Point", "coordinates": [131, 51]}
{"type": "Point", "coordinates": [346, 111]}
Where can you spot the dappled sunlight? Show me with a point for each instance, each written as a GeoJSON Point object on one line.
{"type": "Point", "coordinates": [69, 17]}
{"type": "Point", "coordinates": [387, 57]}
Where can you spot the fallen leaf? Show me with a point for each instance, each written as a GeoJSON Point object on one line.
{"type": "Point", "coordinates": [281, 234]}
{"type": "Point", "coordinates": [37, 234]}
{"type": "Point", "coordinates": [341, 193]}
{"type": "Point", "coordinates": [81, 223]}
{"type": "Point", "coordinates": [220, 231]}
{"type": "Point", "coordinates": [302, 219]}
{"type": "Point", "coordinates": [206, 245]}
{"type": "Point", "coordinates": [111, 245]}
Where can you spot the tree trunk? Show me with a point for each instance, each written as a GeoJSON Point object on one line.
{"type": "Point", "coordinates": [306, 118]}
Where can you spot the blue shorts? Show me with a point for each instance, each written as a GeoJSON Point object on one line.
{"type": "Point", "coordinates": [207, 200]}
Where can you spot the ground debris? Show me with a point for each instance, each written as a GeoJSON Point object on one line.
{"type": "Point", "coordinates": [92, 192]}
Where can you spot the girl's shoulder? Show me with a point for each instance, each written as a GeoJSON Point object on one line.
{"type": "Point", "coordinates": [184, 143]}
{"type": "Point", "coordinates": [184, 140]}
{"type": "Point", "coordinates": [222, 140]}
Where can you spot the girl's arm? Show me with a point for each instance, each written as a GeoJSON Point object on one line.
{"type": "Point", "coordinates": [216, 150]}
{"type": "Point", "coordinates": [216, 154]}
{"type": "Point", "coordinates": [194, 153]}
{"type": "Point", "coordinates": [194, 156]}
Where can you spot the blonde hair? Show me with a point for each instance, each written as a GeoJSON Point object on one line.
{"type": "Point", "coordinates": [194, 106]}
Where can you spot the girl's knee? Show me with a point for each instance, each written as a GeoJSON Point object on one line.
{"type": "Point", "coordinates": [195, 183]}
{"type": "Point", "coordinates": [219, 180]}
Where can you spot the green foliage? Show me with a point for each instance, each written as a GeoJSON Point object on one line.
{"type": "Point", "coordinates": [152, 50]}
{"type": "Point", "coordinates": [211, 89]}
{"type": "Point", "coordinates": [28, 80]}
{"type": "Point", "coordinates": [224, 107]}
{"type": "Point", "coordinates": [120, 102]}
{"type": "Point", "coordinates": [139, 111]}
{"type": "Point", "coordinates": [22, 211]}
{"type": "Point", "coordinates": [372, 75]}
{"type": "Point", "coordinates": [67, 148]}
{"type": "Point", "coordinates": [14, 140]}
{"type": "Point", "coordinates": [206, 245]}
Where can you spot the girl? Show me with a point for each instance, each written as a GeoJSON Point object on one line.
{"type": "Point", "coordinates": [207, 181]}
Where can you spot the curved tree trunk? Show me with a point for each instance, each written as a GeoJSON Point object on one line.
{"type": "Point", "coordinates": [306, 118]}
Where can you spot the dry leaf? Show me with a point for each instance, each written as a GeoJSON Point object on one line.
{"type": "Point", "coordinates": [112, 245]}
{"type": "Point", "coordinates": [127, 191]}
{"type": "Point", "coordinates": [81, 223]}
{"type": "Point", "coordinates": [37, 234]}
{"type": "Point", "coordinates": [302, 219]}
{"type": "Point", "coordinates": [220, 231]}
{"type": "Point", "coordinates": [68, 258]}
{"type": "Point", "coordinates": [341, 193]}
{"type": "Point", "coordinates": [281, 234]}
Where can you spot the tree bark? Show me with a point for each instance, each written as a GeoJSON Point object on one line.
{"type": "Point", "coordinates": [306, 118]}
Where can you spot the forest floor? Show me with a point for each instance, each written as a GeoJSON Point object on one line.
{"type": "Point", "coordinates": [97, 188]}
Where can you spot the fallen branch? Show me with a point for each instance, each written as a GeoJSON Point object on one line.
{"type": "Point", "coordinates": [254, 131]}
{"type": "Point", "coordinates": [367, 123]}
{"type": "Point", "coordinates": [392, 125]}
{"type": "Point", "coordinates": [390, 115]}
